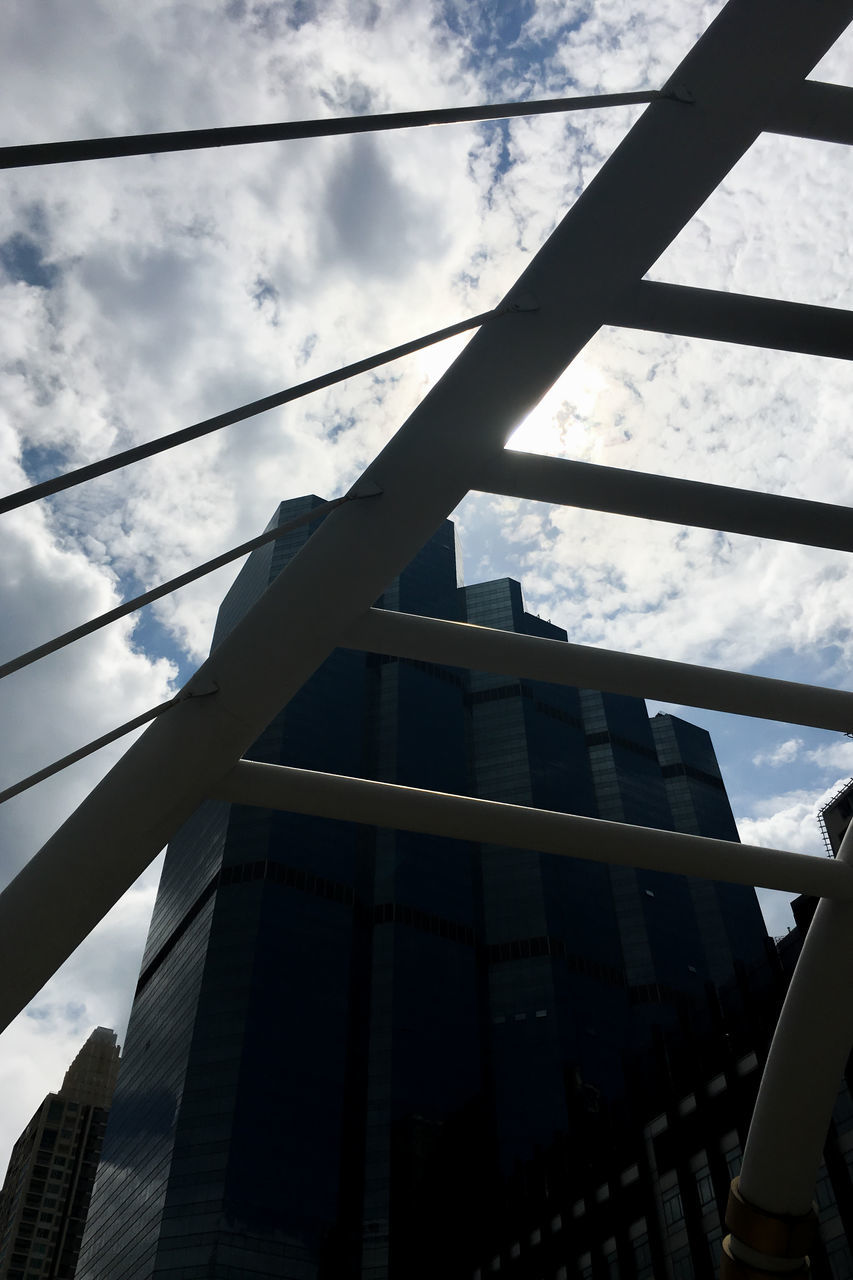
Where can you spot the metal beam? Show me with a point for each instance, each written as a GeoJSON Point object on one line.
{"type": "Point", "coordinates": [805, 1065]}
{"type": "Point", "coordinates": [241, 135]}
{"type": "Point", "coordinates": [822, 112]}
{"type": "Point", "coordinates": [91, 471]}
{"type": "Point", "coordinates": [385, 804]}
{"type": "Point", "coordinates": [662, 172]}
{"type": "Point", "coordinates": [459, 644]}
{"type": "Point", "coordinates": [736, 317]}
{"type": "Point", "coordinates": [564, 482]}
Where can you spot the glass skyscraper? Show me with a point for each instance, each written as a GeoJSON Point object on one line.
{"type": "Point", "coordinates": [347, 1041]}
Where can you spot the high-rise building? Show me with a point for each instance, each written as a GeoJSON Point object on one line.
{"type": "Point", "coordinates": [45, 1198]}
{"type": "Point", "coordinates": [346, 1042]}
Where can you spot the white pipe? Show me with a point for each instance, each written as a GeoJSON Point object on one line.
{"type": "Point", "coordinates": [564, 482]}
{"type": "Point", "coordinates": [459, 644]}
{"type": "Point", "coordinates": [806, 1062]}
{"type": "Point", "coordinates": [438, 813]}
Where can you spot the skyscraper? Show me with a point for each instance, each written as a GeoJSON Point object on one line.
{"type": "Point", "coordinates": [345, 1040]}
{"type": "Point", "coordinates": [45, 1197]}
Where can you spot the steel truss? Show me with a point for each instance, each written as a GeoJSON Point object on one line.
{"type": "Point", "coordinates": [735, 84]}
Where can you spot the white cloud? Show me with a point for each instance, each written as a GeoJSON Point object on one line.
{"type": "Point", "coordinates": [785, 753]}
{"type": "Point", "coordinates": [835, 755]}
{"type": "Point", "coordinates": [789, 820]}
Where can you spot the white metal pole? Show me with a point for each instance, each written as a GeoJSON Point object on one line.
{"type": "Point", "coordinates": [690, 502]}
{"type": "Point", "coordinates": [804, 1068]}
{"type": "Point", "coordinates": [460, 644]}
{"type": "Point", "coordinates": [438, 813]}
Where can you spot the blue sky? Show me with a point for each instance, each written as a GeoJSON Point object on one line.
{"type": "Point", "coordinates": [140, 295]}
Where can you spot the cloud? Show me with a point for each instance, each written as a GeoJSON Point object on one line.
{"type": "Point", "coordinates": [785, 753]}
{"type": "Point", "coordinates": [835, 755]}
{"type": "Point", "coordinates": [787, 821]}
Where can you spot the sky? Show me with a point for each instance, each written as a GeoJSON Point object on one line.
{"type": "Point", "coordinates": [139, 295]}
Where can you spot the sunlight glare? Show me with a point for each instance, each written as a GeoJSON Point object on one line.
{"type": "Point", "coordinates": [563, 423]}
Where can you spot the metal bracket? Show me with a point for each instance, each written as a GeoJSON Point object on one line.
{"type": "Point", "coordinates": [201, 689]}
{"type": "Point", "coordinates": [365, 489]}
{"type": "Point", "coordinates": [777, 1235]}
{"type": "Point", "coordinates": [522, 302]}
{"type": "Point", "coordinates": [678, 93]}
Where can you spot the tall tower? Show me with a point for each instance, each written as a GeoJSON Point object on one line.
{"type": "Point", "coordinates": [45, 1198]}
{"type": "Point", "coordinates": [345, 1040]}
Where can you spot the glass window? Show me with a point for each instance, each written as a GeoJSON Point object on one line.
{"type": "Point", "coordinates": [715, 1247]}
{"type": "Point", "coordinates": [673, 1212]}
{"type": "Point", "coordinates": [839, 1258]}
{"type": "Point", "coordinates": [643, 1258]}
{"type": "Point", "coordinates": [824, 1194]}
{"type": "Point", "coordinates": [705, 1187]}
{"type": "Point", "coordinates": [682, 1266]}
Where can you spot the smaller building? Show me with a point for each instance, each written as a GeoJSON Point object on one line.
{"type": "Point", "coordinates": [45, 1198]}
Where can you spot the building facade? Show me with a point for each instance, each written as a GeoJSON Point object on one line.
{"type": "Point", "coordinates": [641, 1190]}
{"type": "Point", "coordinates": [348, 1043]}
{"type": "Point", "coordinates": [48, 1186]}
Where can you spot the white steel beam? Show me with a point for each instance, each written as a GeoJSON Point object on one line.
{"type": "Point", "coordinates": [385, 804]}
{"type": "Point", "coordinates": [805, 1066]}
{"type": "Point", "coordinates": [564, 482]}
{"type": "Point", "coordinates": [663, 171]}
{"type": "Point", "coordinates": [736, 317]}
{"type": "Point", "coordinates": [459, 644]}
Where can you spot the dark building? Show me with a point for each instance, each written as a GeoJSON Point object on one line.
{"type": "Point", "coordinates": [640, 1191]}
{"type": "Point", "coordinates": [350, 1046]}
{"type": "Point", "coordinates": [45, 1198]}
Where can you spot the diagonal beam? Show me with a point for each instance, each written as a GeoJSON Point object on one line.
{"type": "Point", "coordinates": [662, 172]}
{"type": "Point", "coordinates": [147, 144]}
{"type": "Point", "coordinates": [386, 804]}
{"type": "Point", "coordinates": [823, 112]}
{"type": "Point", "coordinates": [459, 644]}
{"type": "Point", "coordinates": [736, 317]}
{"type": "Point", "coordinates": [564, 482]}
